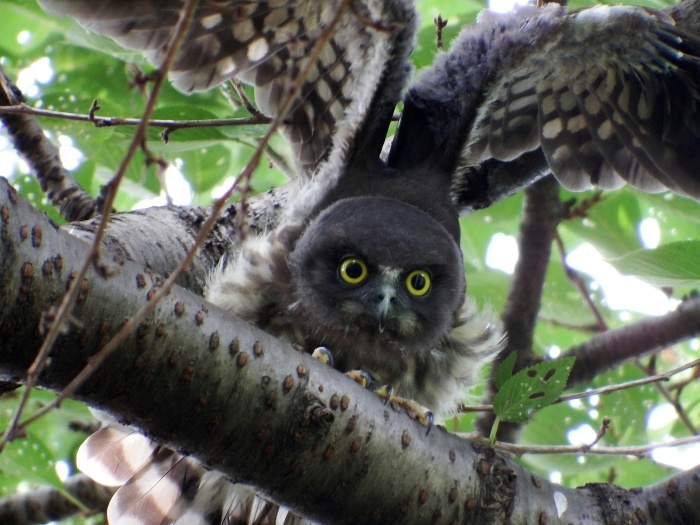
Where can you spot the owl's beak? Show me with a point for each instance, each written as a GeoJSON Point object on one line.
{"type": "Point", "coordinates": [384, 306]}
{"type": "Point", "coordinates": [383, 309]}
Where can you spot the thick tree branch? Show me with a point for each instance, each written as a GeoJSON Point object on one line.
{"type": "Point", "coordinates": [606, 350]}
{"type": "Point", "coordinates": [304, 434]}
{"type": "Point", "coordinates": [158, 238]}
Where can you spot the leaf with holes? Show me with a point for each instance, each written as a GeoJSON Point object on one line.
{"type": "Point", "coordinates": [531, 389]}
{"type": "Point", "coordinates": [505, 370]}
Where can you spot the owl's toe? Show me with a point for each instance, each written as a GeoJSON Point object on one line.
{"type": "Point", "coordinates": [415, 411]}
{"type": "Point", "coordinates": [385, 392]}
{"type": "Point", "coordinates": [324, 355]}
{"type": "Point", "coordinates": [362, 378]}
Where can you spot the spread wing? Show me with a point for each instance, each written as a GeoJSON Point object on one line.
{"type": "Point", "coordinates": [335, 63]}
{"type": "Point", "coordinates": [610, 94]}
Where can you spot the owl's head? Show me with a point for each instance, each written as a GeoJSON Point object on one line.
{"type": "Point", "coordinates": [378, 265]}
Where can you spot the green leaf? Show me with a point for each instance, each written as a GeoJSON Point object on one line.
{"type": "Point", "coordinates": [673, 264]}
{"type": "Point", "coordinates": [505, 370]}
{"type": "Point", "coordinates": [611, 224]}
{"type": "Point", "coordinates": [30, 458]}
{"type": "Point", "coordinates": [531, 389]}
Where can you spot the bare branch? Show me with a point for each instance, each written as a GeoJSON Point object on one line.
{"type": "Point", "coordinates": [42, 156]}
{"type": "Point", "coordinates": [610, 348]}
{"type": "Point", "coordinates": [105, 122]}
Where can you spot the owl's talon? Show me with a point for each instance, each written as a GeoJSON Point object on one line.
{"type": "Point", "coordinates": [429, 422]}
{"type": "Point", "coordinates": [415, 411]}
{"type": "Point", "coordinates": [385, 392]}
{"type": "Point", "coordinates": [324, 355]}
{"type": "Point", "coordinates": [360, 377]}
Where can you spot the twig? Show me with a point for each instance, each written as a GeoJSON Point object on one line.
{"type": "Point", "coordinates": [639, 451]}
{"type": "Point", "coordinates": [42, 156]}
{"type": "Point", "coordinates": [598, 391]}
{"type": "Point", "coordinates": [593, 328]}
{"type": "Point", "coordinates": [673, 401]}
{"type": "Point", "coordinates": [103, 122]}
{"type": "Point", "coordinates": [680, 385]}
{"type": "Point", "coordinates": [629, 384]}
{"type": "Point", "coordinates": [247, 104]}
{"type": "Point", "coordinates": [440, 24]}
{"type": "Point", "coordinates": [580, 284]}
{"type": "Point", "coordinates": [362, 14]}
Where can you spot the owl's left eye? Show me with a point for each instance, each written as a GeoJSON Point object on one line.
{"type": "Point", "coordinates": [418, 283]}
{"type": "Point", "coordinates": [353, 270]}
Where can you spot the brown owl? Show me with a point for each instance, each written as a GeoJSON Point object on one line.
{"type": "Point", "coordinates": [366, 258]}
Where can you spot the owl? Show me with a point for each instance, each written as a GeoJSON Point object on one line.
{"type": "Point", "coordinates": [366, 259]}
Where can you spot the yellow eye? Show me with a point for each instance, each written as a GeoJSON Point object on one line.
{"type": "Point", "coordinates": [352, 270]}
{"type": "Point", "coordinates": [418, 283]}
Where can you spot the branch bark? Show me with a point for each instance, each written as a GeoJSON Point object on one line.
{"type": "Point", "coordinates": [199, 380]}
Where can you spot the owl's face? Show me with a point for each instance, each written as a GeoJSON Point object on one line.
{"type": "Point", "coordinates": [371, 265]}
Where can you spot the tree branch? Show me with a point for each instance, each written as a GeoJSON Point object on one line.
{"type": "Point", "coordinates": [602, 352]}
{"type": "Point", "coordinates": [72, 202]}
{"type": "Point", "coordinates": [160, 237]}
{"type": "Point", "coordinates": [298, 430]}
{"type": "Point", "coordinates": [19, 108]}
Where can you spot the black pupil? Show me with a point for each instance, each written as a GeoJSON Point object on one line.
{"type": "Point", "coordinates": [353, 270]}
{"type": "Point", "coordinates": [418, 282]}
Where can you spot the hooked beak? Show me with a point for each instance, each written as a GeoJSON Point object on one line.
{"type": "Point", "coordinates": [383, 310]}
{"type": "Point", "coordinates": [385, 304]}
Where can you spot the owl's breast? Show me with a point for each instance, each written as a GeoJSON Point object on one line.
{"type": "Point", "coordinates": [388, 361]}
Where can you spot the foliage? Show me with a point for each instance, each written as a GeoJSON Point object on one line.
{"type": "Point", "coordinates": [532, 388]}
{"type": "Point", "coordinates": [87, 68]}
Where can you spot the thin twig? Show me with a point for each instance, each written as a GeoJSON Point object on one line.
{"type": "Point", "coordinates": [102, 122]}
{"type": "Point", "coordinates": [599, 391]}
{"type": "Point", "coordinates": [673, 401]}
{"type": "Point", "coordinates": [592, 328]}
{"type": "Point", "coordinates": [440, 24]}
{"type": "Point", "coordinates": [247, 104]}
{"type": "Point", "coordinates": [639, 451]}
{"type": "Point", "coordinates": [575, 278]}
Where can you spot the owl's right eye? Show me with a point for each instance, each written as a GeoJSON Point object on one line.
{"type": "Point", "coordinates": [352, 270]}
